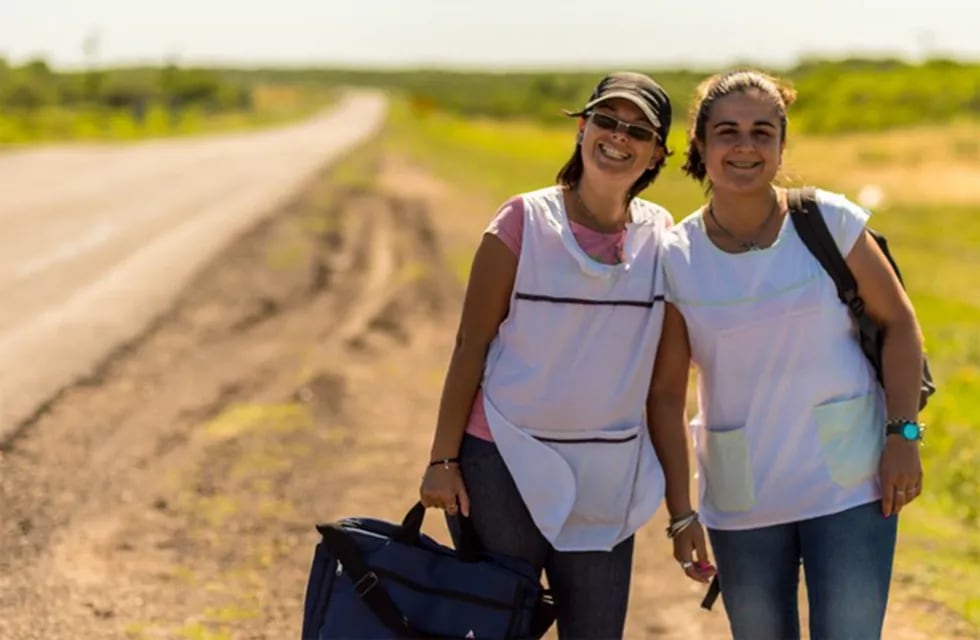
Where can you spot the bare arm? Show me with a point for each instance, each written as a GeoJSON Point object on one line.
{"type": "Point", "coordinates": [889, 306]}
{"type": "Point", "coordinates": [666, 404]}
{"type": "Point", "coordinates": [485, 306]}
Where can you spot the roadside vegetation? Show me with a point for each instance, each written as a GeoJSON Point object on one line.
{"type": "Point", "coordinates": [39, 104]}
{"type": "Point", "coordinates": [835, 96]}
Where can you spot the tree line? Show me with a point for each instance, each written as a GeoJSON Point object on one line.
{"type": "Point", "coordinates": [32, 86]}
{"type": "Point", "coordinates": [834, 96]}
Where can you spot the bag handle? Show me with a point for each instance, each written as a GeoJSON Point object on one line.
{"type": "Point", "coordinates": [468, 548]}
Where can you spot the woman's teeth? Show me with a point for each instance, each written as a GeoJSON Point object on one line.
{"type": "Point", "coordinates": [612, 153]}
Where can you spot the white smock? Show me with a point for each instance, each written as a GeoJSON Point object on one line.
{"type": "Point", "coordinates": [791, 417]}
{"type": "Point", "coordinates": [568, 373]}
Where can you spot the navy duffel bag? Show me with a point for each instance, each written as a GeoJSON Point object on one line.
{"type": "Point", "coordinates": [378, 580]}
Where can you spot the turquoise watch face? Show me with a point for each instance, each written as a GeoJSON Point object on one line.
{"type": "Point", "coordinates": [910, 431]}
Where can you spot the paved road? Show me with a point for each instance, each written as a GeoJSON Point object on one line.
{"type": "Point", "coordinates": [96, 240]}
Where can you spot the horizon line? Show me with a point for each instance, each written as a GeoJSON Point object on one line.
{"type": "Point", "coordinates": [567, 66]}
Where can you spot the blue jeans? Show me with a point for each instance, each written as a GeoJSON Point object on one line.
{"type": "Point", "coordinates": [590, 588]}
{"type": "Point", "coordinates": [847, 559]}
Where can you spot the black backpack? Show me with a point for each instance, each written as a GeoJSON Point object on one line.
{"type": "Point", "coordinates": [812, 229]}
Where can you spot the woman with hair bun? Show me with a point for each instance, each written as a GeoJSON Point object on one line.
{"type": "Point", "coordinates": [803, 456]}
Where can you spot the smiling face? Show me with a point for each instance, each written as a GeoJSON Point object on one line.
{"type": "Point", "coordinates": [743, 142]}
{"type": "Point", "coordinates": [614, 155]}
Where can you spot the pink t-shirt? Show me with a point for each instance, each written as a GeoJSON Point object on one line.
{"type": "Point", "coordinates": [508, 225]}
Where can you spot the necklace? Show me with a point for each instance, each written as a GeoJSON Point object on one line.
{"type": "Point", "coordinates": [751, 244]}
{"type": "Point", "coordinates": [600, 226]}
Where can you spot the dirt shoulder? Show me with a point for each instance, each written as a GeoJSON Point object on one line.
{"type": "Point", "coordinates": [173, 494]}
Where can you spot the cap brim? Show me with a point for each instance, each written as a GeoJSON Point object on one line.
{"type": "Point", "coordinates": [625, 95]}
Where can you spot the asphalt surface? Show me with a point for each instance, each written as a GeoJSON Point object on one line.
{"type": "Point", "coordinates": [97, 240]}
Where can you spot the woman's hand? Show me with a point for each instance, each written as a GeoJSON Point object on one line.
{"type": "Point", "coordinates": [443, 488]}
{"type": "Point", "coordinates": [691, 551]}
{"type": "Point", "coordinates": [900, 474]}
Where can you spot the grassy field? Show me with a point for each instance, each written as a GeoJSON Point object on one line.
{"type": "Point", "coordinates": [271, 104]}
{"type": "Point", "coordinates": [933, 224]}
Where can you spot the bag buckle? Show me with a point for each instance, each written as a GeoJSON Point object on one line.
{"type": "Point", "coordinates": [854, 302]}
{"type": "Point", "coordinates": [367, 582]}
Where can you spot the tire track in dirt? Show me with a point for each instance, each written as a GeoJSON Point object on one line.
{"type": "Point", "coordinates": [103, 496]}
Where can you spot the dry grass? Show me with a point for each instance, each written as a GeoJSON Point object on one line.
{"type": "Point", "coordinates": [936, 165]}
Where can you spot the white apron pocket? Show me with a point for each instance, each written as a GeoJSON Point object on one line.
{"type": "Point", "coordinates": [728, 470]}
{"type": "Point", "coordinates": [852, 435]}
{"type": "Point", "coordinates": [542, 477]}
{"type": "Point", "coordinates": [604, 464]}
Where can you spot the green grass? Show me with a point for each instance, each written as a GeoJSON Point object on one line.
{"type": "Point", "coordinates": [936, 246]}
{"type": "Point", "coordinates": [57, 124]}
{"type": "Point", "coordinates": [938, 560]}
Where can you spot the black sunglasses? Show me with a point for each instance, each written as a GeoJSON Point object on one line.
{"type": "Point", "coordinates": [635, 131]}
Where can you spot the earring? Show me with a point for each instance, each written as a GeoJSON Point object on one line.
{"type": "Point", "coordinates": [578, 138]}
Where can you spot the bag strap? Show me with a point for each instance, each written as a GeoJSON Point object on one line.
{"type": "Point", "coordinates": [544, 614]}
{"type": "Point", "coordinates": [366, 584]}
{"type": "Point", "coordinates": [813, 231]}
{"type": "Point", "coordinates": [714, 590]}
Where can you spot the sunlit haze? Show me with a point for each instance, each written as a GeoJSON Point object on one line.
{"type": "Point", "coordinates": [501, 34]}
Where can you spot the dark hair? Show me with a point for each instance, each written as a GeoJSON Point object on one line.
{"type": "Point", "coordinates": [571, 173]}
{"type": "Point", "coordinates": [725, 84]}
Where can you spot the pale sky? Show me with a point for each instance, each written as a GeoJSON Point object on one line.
{"type": "Point", "coordinates": [486, 33]}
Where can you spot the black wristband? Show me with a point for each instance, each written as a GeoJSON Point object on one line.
{"type": "Point", "coordinates": [445, 462]}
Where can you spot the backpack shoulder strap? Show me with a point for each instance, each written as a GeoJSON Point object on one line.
{"type": "Point", "coordinates": [813, 231]}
